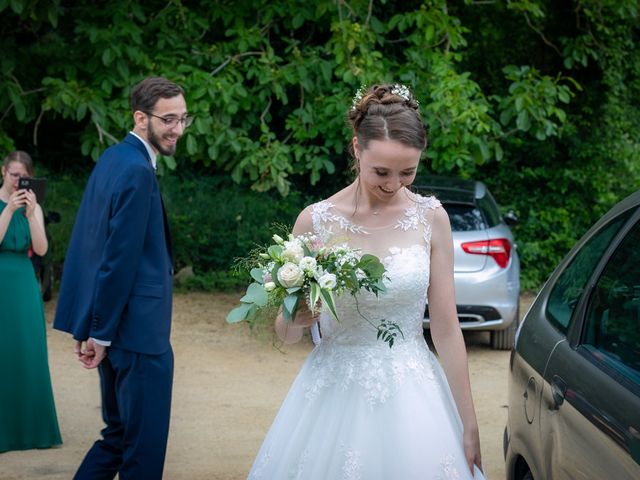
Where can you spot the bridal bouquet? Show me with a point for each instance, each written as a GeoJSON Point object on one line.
{"type": "Point", "coordinates": [297, 270]}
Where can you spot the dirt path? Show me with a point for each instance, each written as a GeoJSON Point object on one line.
{"type": "Point", "coordinates": [228, 387]}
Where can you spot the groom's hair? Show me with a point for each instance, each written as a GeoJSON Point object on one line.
{"type": "Point", "coordinates": [146, 93]}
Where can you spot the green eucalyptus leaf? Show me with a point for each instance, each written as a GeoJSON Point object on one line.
{"type": "Point", "coordinates": [255, 294]}
{"type": "Point", "coordinates": [239, 313]}
{"type": "Point", "coordinates": [257, 274]}
{"type": "Point", "coordinates": [290, 304]}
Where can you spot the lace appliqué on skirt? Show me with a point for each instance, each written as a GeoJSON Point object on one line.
{"type": "Point", "coordinates": [378, 372]}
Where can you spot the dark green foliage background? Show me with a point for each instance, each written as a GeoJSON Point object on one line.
{"type": "Point", "coordinates": [538, 98]}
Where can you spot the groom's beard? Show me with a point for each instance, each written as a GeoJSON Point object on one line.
{"type": "Point", "coordinates": [155, 141]}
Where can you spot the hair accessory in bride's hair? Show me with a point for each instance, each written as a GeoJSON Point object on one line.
{"type": "Point", "coordinates": [398, 89]}
{"type": "Point", "coordinates": [357, 98]}
{"type": "Point", "coordinates": [401, 91]}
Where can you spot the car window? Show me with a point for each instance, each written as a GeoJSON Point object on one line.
{"type": "Point", "coordinates": [570, 284]}
{"type": "Point", "coordinates": [490, 209]}
{"type": "Point", "coordinates": [613, 314]}
{"type": "Point", "coordinates": [464, 218]}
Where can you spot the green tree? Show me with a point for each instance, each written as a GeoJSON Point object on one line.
{"type": "Point", "coordinates": [538, 98]}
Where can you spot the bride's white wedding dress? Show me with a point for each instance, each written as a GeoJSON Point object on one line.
{"type": "Point", "coordinates": [359, 409]}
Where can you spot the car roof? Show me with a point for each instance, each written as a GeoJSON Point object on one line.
{"type": "Point", "coordinates": [451, 189]}
{"type": "Point", "coordinates": [631, 201]}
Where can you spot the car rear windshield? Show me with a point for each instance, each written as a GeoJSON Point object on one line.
{"type": "Point", "coordinates": [490, 209]}
{"type": "Point", "coordinates": [465, 218]}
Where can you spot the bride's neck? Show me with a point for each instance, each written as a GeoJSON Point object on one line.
{"type": "Point", "coordinates": [364, 203]}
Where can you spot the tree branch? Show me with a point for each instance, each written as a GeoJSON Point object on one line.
{"type": "Point", "coordinates": [233, 58]}
{"type": "Point", "coordinates": [265, 111]}
{"type": "Point", "coordinates": [539, 32]}
{"type": "Point", "coordinates": [366, 22]}
{"type": "Point", "coordinates": [102, 132]}
{"type": "Point", "coordinates": [35, 127]}
{"type": "Point", "coordinates": [6, 112]}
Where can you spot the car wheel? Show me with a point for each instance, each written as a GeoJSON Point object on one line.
{"type": "Point", "coordinates": [503, 339]}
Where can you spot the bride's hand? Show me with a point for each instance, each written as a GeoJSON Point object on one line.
{"type": "Point", "coordinates": [471, 441]}
{"type": "Point", "coordinates": [291, 332]}
{"type": "Point", "coordinates": [304, 316]}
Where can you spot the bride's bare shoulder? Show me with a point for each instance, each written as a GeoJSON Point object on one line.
{"type": "Point", "coordinates": [338, 202]}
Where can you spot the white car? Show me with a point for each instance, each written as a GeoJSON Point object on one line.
{"type": "Point", "coordinates": [486, 263]}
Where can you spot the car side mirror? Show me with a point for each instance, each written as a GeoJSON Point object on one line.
{"type": "Point", "coordinates": [510, 218]}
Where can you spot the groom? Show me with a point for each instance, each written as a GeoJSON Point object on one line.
{"type": "Point", "coordinates": [115, 296]}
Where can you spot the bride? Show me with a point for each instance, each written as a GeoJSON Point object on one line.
{"type": "Point", "coordinates": [359, 409]}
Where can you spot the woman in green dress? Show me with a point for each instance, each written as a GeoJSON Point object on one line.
{"type": "Point", "coordinates": [27, 410]}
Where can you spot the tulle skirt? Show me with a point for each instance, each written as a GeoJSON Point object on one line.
{"type": "Point", "coordinates": [415, 433]}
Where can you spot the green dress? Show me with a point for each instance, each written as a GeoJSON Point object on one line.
{"type": "Point", "coordinates": [27, 410]}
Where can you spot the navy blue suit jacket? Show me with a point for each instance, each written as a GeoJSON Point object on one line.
{"type": "Point", "coordinates": [117, 276]}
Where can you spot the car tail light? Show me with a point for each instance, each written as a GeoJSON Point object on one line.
{"type": "Point", "coordinates": [499, 249]}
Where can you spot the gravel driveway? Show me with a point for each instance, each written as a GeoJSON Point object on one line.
{"type": "Point", "coordinates": [227, 389]}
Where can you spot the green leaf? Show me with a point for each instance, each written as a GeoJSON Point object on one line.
{"type": "Point", "coordinates": [372, 265]}
{"type": "Point", "coordinates": [499, 152]}
{"type": "Point", "coordinates": [192, 145]}
{"type": "Point", "coordinates": [170, 162]}
{"type": "Point", "coordinates": [297, 21]}
{"type": "Point", "coordinates": [17, 6]}
{"type": "Point", "coordinates": [274, 251]}
{"type": "Point", "coordinates": [329, 301]}
{"type": "Point", "coordinates": [255, 294]}
{"type": "Point", "coordinates": [290, 304]}
{"type": "Point", "coordinates": [314, 294]}
{"type": "Point", "coordinates": [239, 313]}
{"type": "Point", "coordinates": [523, 121]}
{"type": "Point", "coordinates": [376, 25]}
{"type": "Point", "coordinates": [106, 57]}
{"type": "Point", "coordinates": [563, 95]}
{"type": "Point", "coordinates": [257, 274]}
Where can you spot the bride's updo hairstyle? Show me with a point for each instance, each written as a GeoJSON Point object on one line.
{"type": "Point", "coordinates": [387, 112]}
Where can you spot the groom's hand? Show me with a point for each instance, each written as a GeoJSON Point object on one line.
{"type": "Point", "coordinates": [92, 354]}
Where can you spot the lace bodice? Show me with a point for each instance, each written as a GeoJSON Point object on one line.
{"type": "Point", "coordinates": [359, 409]}
{"type": "Point", "coordinates": [350, 351]}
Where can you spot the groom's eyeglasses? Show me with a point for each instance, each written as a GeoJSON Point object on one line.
{"type": "Point", "coordinates": [171, 121]}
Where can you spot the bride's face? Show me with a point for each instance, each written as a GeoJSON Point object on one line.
{"type": "Point", "coordinates": [386, 166]}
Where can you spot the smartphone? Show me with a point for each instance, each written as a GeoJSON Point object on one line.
{"type": "Point", "coordinates": [36, 185]}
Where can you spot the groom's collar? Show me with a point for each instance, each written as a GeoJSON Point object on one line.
{"type": "Point", "coordinates": [152, 154]}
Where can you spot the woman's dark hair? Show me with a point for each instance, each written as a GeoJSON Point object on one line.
{"type": "Point", "coordinates": [146, 93]}
{"type": "Point", "coordinates": [21, 157]}
{"type": "Point", "coordinates": [387, 112]}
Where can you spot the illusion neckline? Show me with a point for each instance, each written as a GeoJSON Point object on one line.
{"type": "Point", "coordinates": [365, 228]}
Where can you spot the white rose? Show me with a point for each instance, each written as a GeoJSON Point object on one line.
{"type": "Point", "coordinates": [269, 286]}
{"type": "Point", "coordinates": [290, 275]}
{"type": "Point", "coordinates": [327, 281]}
{"type": "Point", "coordinates": [293, 251]}
{"type": "Point", "coordinates": [308, 264]}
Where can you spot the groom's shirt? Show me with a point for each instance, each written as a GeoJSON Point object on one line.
{"type": "Point", "coordinates": [150, 151]}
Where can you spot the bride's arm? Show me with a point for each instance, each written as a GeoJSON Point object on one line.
{"type": "Point", "coordinates": [291, 332]}
{"type": "Point", "coordinates": [446, 332]}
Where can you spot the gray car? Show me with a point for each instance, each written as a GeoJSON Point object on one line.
{"type": "Point", "coordinates": [486, 263]}
{"type": "Point", "coordinates": [574, 382]}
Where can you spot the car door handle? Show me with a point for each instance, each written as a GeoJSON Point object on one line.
{"type": "Point", "coordinates": [558, 390]}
